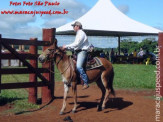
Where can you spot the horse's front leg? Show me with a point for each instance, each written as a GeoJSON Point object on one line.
{"type": "Point", "coordinates": [66, 89]}
{"type": "Point", "coordinates": [74, 91]}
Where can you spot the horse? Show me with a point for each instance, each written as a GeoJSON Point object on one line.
{"type": "Point", "coordinates": [103, 76]}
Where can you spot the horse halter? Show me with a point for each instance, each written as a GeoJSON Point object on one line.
{"type": "Point", "coordinates": [52, 55]}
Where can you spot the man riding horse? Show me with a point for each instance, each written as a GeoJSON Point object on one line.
{"type": "Point", "coordinates": [80, 46]}
{"type": "Point", "coordinates": [102, 75]}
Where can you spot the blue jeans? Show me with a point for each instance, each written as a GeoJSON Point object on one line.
{"type": "Point", "coordinates": [81, 58]}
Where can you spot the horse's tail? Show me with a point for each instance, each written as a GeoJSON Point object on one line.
{"type": "Point", "coordinates": [110, 83]}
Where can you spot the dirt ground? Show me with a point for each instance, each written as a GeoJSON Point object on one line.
{"type": "Point", "coordinates": [127, 106]}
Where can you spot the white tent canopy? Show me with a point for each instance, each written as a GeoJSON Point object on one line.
{"type": "Point", "coordinates": [104, 19]}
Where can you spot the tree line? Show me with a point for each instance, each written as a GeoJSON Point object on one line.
{"type": "Point", "coordinates": [127, 45]}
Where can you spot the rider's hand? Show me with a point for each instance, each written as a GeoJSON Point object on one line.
{"type": "Point", "coordinates": [64, 47]}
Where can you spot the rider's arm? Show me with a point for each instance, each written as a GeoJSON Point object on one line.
{"type": "Point", "coordinates": [78, 41]}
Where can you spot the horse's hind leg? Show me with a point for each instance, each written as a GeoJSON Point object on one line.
{"type": "Point", "coordinates": [105, 81]}
{"type": "Point", "coordinates": [101, 86]}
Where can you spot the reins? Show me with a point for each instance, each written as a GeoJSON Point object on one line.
{"type": "Point", "coordinates": [59, 60]}
{"type": "Point", "coordinates": [70, 65]}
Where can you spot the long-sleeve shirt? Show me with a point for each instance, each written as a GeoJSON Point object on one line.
{"type": "Point", "coordinates": [141, 53]}
{"type": "Point", "coordinates": [80, 43]}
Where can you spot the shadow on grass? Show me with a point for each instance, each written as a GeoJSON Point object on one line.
{"type": "Point", "coordinates": [4, 100]}
{"type": "Point", "coordinates": [38, 102]}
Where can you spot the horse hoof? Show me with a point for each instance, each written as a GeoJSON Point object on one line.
{"type": "Point", "coordinates": [103, 108]}
{"type": "Point", "coordinates": [61, 113]}
{"type": "Point", "coordinates": [73, 111]}
{"type": "Point", "coordinates": [99, 108]}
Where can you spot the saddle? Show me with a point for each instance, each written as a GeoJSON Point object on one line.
{"type": "Point", "coordinates": [92, 62]}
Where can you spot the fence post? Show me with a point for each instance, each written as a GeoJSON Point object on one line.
{"type": "Point", "coordinates": [32, 97]}
{"type": "Point", "coordinates": [48, 93]}
{"type": "Point", "coordinates": [0, 61]}
{"type": "Point", "coordinates": [160, 62]}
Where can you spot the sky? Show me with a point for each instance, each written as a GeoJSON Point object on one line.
{"type": "Point", "coordinates": [26, 26]}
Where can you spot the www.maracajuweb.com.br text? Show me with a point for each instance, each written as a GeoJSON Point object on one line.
{"type": "Point", "coordinates": [50, 12]}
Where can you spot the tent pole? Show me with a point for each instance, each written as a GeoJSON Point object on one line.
{"type": "Point", "coordinates": [119, 39]}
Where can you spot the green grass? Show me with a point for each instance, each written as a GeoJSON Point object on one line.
{"type": "Point", "coordinates": [130, 76]}
{"type": "Point", "coordinates": [17, 99]}
{"type": "Point", "coordinates": [134, 76]}
{"type": "Point", "coordinates": [127, 76]}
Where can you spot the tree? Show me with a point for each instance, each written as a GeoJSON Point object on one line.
{"type": "Point", "coordinates": [148, 44]}
{"type": "Point", "coordinates": [127, 45]}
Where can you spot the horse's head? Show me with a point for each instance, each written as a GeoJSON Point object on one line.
{"type": "Point", "coordinates": [50, 53]}
{"type": "Point", "coordinates": [47, 54]}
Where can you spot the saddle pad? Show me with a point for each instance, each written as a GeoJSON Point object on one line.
{"type": "Point", "coordinates": [95, 65]}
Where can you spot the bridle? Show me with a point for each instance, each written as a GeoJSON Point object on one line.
{"type": "Point", "coordinates": [57, 51]}
{"type": "Point", "coordinates": [53, 54]}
